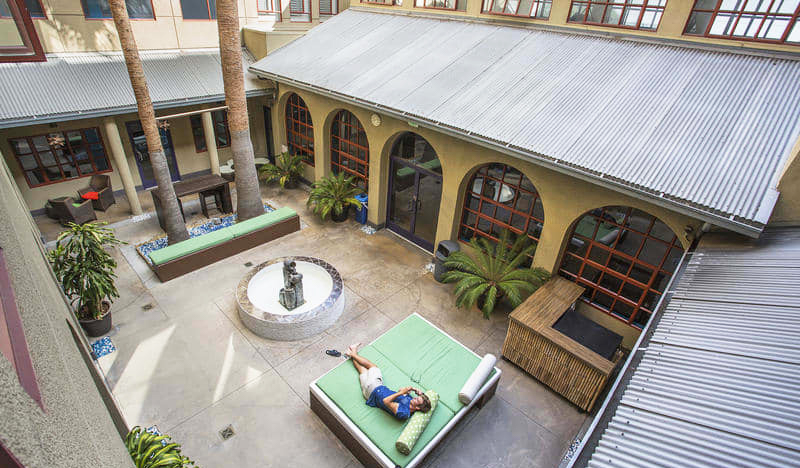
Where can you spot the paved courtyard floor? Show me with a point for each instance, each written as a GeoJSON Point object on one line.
{"type": "Point", "coordinates": [185, 363]}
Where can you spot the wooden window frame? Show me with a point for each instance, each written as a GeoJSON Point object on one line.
{"type": "Point", "coordinates": [193, 121]}
{"type": "Point", "coordinates": [41, 7]}
{"type": "Point", "coordinates": [379, 2]}
{"type": "Point", "coordinates": [594, 286]}
{"type": "Point", "coordinates": [332, 13]}
{"type": "Point", "coordinates": [794, 22]}
{"type": "Point", "coordinates": [353, 146]}
{"type": "Point", "coordinates": [278, 14]}
{"type": "Point", "coordinates": [479, 214]}
{"type": "Point", "coordinates": [536, 3]}
{"type": "Point", "coordinates": [12, 335]}
{"type": "Point", "coordinates": [208, 9]}
{"type": "Point", "coordinates": [644, 6]}
{"type": "Point", "coordinates": [109, 18]}
{"type": "Point", "coordinates": [31, 49]}
{"type": "Point", "coordinates": [294, 138]}
{"type": "Point", "coordinates": [424, 6]}
{"type": "Point", "coordinates": [68, 150]}
{"type": "Point", "coordinates": [296, 16]}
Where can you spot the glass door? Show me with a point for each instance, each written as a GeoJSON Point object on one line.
{"type": "Point", "coordinates": [142, 156]}
{"type": "Point", "coordinates": [414, 197]}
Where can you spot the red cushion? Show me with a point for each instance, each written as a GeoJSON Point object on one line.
{"type": "Point", "coordinates": [91, 196]}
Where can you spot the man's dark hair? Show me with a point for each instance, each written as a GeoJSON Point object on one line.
{"type": "Point", "coordinates": [426, 403]}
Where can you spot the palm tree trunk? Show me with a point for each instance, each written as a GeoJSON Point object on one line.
{"type": "Point", "coordinates": [176, 229]}
{"type": "Point", "coordinates": [248, 193]}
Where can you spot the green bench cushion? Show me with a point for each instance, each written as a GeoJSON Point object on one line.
{"type": "Point", "coordinates": [190, 246]}
{"type": "Point", "coordinates": [429, 357]}
{"type": "Point", "coordinates": [259, 222]}
{"type": "Point", "coordinates": [341, 385]}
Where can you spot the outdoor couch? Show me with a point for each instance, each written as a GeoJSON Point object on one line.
{"type": "Point", "coordinates": [413, 353]}
{"type": "Point", "coordinates": [70, 210]}
{"type": "Point", "coordinates": [192, 254]}
{"type": "Point", "coordinates": [101, 184]}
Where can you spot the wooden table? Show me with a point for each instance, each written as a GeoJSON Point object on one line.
{"type": "Point", "coordinates": [571, 369]}
{"type": "Point", "coordinates": [204, 183]}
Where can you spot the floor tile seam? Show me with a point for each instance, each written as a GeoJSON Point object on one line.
{"type": "Point", "coordinates": [244, 336]}
{"type": "Point", "coordinates": [528, 417]}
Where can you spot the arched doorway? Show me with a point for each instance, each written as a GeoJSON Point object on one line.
{"type": "Point", "coordinates": [349, 148]}
{"type": "Point", "coordinates": [415, 190]}
{"type": "Point", "coordinates": [624, 258]}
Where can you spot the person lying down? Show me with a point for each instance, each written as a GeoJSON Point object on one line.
{"type": "Point", "coordinates": [399, 404]}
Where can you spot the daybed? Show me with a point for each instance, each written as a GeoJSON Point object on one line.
{"type": "Point", "coordinates": [415, 353]}
{"type": "Point", "coordinates": [197, 252]}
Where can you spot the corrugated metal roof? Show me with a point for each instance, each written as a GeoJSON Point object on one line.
{"type": "Point", "coordinates": [706, 130]}
{"type": "Point", "coordinates": [719, 380]}
{"type": "Point", "coordinates": [80, 85]}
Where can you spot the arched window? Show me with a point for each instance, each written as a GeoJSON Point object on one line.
{"type": "Point", "coordinates": [624, 258]}
{"type": "Point", "coordinates": [500, 197]}
{"type": "Point", "coordinates": [299, 129]}
{"type": "Point", "coordinates": [349, 148]}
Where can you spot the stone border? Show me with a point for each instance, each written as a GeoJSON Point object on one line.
{"type": "Point", "coordinates": [291, 327]}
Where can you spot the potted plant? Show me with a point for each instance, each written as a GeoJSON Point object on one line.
{"type": "Point", "coordinates": [149, 450]}
{"type": "Point", "coordinates": [334, 194]}
{"type": "Point", "coordinates": [286, 170]}
{"type": "Point", "coordinates": [494, 273]}
{"type": "Point", "coordinates": [86, 273]}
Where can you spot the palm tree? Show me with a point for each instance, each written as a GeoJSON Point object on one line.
{"type": "Point", "coordinates": [494, 273]}
{"type": "Point", "coordinates": [173, 219]}
{"type": "Point", "coordinates": [248, 193]}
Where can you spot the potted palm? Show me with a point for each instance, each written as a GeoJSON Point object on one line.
{"type": "Point", "coordinates": [335, 195]}
{"type": "Point", "coordinates": [86, 273]}
{"type": "Point", "coordinates": [494, 274]}
{"type": "Point", "coordinates": [286, 170]}
{"type": "Point", "coordinates": [149, 450]}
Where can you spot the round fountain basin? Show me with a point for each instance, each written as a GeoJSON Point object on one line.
{"type": "Point", "coordinates": [262, 313]}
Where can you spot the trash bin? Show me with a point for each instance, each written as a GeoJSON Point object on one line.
{"type": "Point", "coordinates": [361, 214]}
{"type": "Point", "coordinates": [443, 250]}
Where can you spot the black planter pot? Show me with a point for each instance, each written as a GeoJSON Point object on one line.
{"type": "Point", "coordinates": [99, 327]}
{"type": "Point", "coordinates": [290, 184]}
{"type": "Point", "coordinates": [341, 217]}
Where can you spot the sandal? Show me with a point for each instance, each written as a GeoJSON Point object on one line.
{"type": "Point", "coordinates": [333, 352]}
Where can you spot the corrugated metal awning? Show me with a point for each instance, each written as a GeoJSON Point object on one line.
{"type": "Point", "coordinates": [91, 84]}
{"type": "Point", "coordinates": [704, 132]}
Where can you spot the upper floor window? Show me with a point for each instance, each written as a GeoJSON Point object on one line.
{"type": "Point", "coordinates": [632, 14]}
{"type": "Point", "coordinates": [383, 2]}
{"type": "Point", "coordinates": [300, 10]}
{"type": "Point", "coordinates": [527, 8]}
{"type": "Point", "coordinates": [34, 8]}
{"type": "Point", "coordinates": [755, 20]}
{"type": "Point", "coordinates": [199, 9]}
{"type": "Point", "coordinates": [222, 134]}
{"type": "Point", "coordinates": [99, 9]}
{"type": "Point", "coordinates": [459, 5]}
{"type": "Point", "coordinates": [59, 156]}
{"type": "Point", "coordinates": [270, 7]}
{"type": "Point", "coordinates": [19, 42]}
{"type": "Point", "coordinates": [328, 7]}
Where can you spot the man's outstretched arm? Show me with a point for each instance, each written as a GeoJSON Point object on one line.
{"type": "Point", "coordinates": [389, 400]}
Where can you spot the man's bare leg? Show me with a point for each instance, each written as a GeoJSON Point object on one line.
{"type": "Point", "coordinates": [361, 363]}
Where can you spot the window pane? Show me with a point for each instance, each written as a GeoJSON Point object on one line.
{"type": "Point", "coordinates": [20, 146]}
{"type": "Point", "coordinates": [195, 9]}
{"type": "Point", "coordinates": [34, 8]}
{"type": "Point", "coordinates": [698, 22]}
{"type": "Point", "coordinates": [139, 8]}
{"type": "Point", "coordinates": [96, 9]}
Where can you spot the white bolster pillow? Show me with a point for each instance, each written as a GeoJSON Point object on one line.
{"type": "Point", "coordinates": [476, 379]}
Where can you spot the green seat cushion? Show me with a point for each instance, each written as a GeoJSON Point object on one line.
{"type": "Point", "coordinates": [429, 357]}
{"type": "Point", "coordinates": [259, 222]}
{"type": "Point", "coordinates": [191, 245]}
{"type": "Point", "coordinates": [342, 386]}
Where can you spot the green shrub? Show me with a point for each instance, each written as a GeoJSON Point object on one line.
{"type": "Point", "coordinates": [286, 170]}
{"type": "Point", "coordinates": [333, 194]}
{"type": "Point", "coordinates": [154, 451]}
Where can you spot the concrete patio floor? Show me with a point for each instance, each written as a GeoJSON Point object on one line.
{"type": "Point", "coordinates": [185, 363]}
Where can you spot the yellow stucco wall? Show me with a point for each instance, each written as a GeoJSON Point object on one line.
{"type": "Point", "coordinates": [787, 209]}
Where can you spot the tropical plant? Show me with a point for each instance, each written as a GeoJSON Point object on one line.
{"type": "Point", "coordinates": [84, 268]}
{"type": "Point", "coordinates": [494, 273]}
{"type": "Point", "coordinates": [248, 192]}
{"type": "Point", "coordinates": [150, 450]}
{"type": "Point", "coordinates": [173, 218]}
{"type": "Point", "coordinates": [334, 194]}
{"type": "Point", "coordinates": [287, 169]}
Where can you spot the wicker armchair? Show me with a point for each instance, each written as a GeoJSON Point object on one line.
{"type": "Point", "coordinates": [102, 185]}
{"type": "Point", "coordinates": [65, 210]}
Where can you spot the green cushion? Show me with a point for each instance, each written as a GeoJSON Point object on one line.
{"type": "Point", "coordinates": [416, 426]}
{"type": "Point", "coordinates": [191, 245]}
{"type": "Point", "coordinates": [259, 222]}
{"type": "Point", "coordinates": [76, 205]}
{"type": "Point", "coordinates": [429, 357]}
{"type": "Point", "coordinates": [342, 386]}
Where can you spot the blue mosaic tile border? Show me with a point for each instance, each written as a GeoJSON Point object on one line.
{"type": "Point", "coordinates": [209, 226]}
{"type": "Point", "coordinates": [102, 347]}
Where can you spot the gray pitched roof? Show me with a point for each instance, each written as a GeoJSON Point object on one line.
{"type": "Point", "coordinates": [82, 85]}
{"type": "Point", "coordinates": [704, 132]}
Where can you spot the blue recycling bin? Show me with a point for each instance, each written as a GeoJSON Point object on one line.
{"type": "Point", "coordinates": [361, 214]}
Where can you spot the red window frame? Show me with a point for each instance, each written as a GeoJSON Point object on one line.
{"type": "Point", "coordinates": [31, 48]}
{"type": "Point", "coordinates": [69, 153]}
{"type": "Point", "coordinates": [110, 18]}
{"type": "Point", "coordinates": [736, 15]}
{"type": "Point", "coordinates": [453, 8]}
{"type": "Point", "coordinates": [276, 12]}
{"type": "Point", "coordinates": [535, 12]}
{"type": "Point", "coordinates": [198, 133]}
{"type": "Point", "coordinates": [12, 336]}
{"type": "Point", "coordinates": [33, 16]}
{"type": "Point", "coordinates": [379, 2]}
{"type": "Point", "coordinates": [208, 8]}
{"type": "Point", "coordinates": [644, 5]}
{"type": "Point", "coordinates": [348, 138]}
{"type": "Point", "coordinates": [487, 209]}
{"type": "Point", "coordinates": [331, 11]}
{"type": "Point", "coordinates": [599, 254]}
{"type": "Point", "coordinates": [298, 128]}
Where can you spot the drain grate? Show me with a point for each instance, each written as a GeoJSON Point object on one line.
{"type": "Point", "coordinates": [148, 306]}
{"type": "Point", "coordinates": [227, 433]}
{"type": "Point", "coordinates": [248, 264]}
